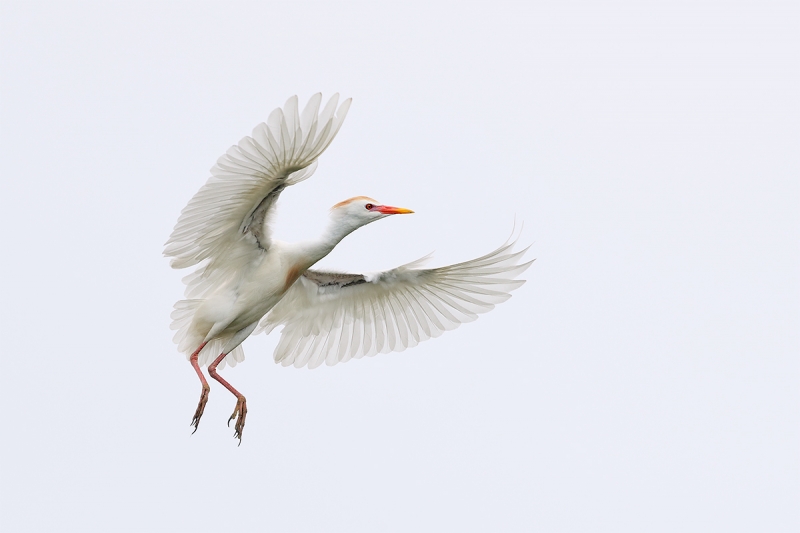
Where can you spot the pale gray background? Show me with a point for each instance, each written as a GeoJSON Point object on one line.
{"type": "Point", "coordinates": [644, 379]}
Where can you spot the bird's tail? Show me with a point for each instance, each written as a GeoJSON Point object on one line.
{"type": "Point", "coordinates": [188, 338]}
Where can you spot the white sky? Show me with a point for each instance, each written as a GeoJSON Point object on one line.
{"type": "Point", "coordinates": [644, 379]}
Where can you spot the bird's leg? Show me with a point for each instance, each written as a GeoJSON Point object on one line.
{"type": "Point", "coordinates": [240, 413]}
{"type": "Point", "coordinates": [203, 395]}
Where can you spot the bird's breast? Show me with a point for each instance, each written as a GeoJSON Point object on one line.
{"type": "Point", "coordinates": [266, 284]}
{"type": "Point", "coordinates": [295, 271]}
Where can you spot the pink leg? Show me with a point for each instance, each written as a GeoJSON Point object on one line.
{"type": "Point", "coordinates": [204, 395]}
{"type": "Point", "coordinates": [240, 413]}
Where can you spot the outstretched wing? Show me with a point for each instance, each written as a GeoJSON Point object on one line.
{"type": "Point", "coordinates": [331, 318]}
{"type": "Point", "coordinates": [227, 218]}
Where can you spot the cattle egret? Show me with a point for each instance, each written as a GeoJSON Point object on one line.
{"type": "Point", "coordinates": [245, 281]}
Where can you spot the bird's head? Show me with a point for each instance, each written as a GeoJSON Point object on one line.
{"type": "Point", "coordinates": [362, 210]}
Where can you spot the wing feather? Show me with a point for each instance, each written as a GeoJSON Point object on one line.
{"type": "Point", "coordinates": [334, 317]}
{"type": "Point", "coordinates": [228, 216]}
{"type": "Point", "coordinates": [358, 333]}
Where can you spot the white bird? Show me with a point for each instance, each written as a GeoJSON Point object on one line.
{"type": "Point", "coordinates": [245, 279]}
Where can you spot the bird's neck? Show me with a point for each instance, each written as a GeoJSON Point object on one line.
{"type": "Point", "coordinates": [337, 229]}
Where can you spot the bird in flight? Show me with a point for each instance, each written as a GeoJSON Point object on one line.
{"type": "Point", "coordinates": [246, 281]}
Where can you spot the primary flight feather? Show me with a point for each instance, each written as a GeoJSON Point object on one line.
{"type": "Point", "coordinates": [245, 280]}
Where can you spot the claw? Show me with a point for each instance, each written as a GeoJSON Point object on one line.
{"type": "Point", "coordinates": [201, 406]}
{"type": "Point", "coordinates": [239, 414]}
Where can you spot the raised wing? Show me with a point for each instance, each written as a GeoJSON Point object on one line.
{"type": "Point", "coordinates": [331, 318]}
{"type": "Point", "coordinates": [227, 217]}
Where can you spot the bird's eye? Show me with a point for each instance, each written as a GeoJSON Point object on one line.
{"type": "Point", "coordinates": [369, 206]}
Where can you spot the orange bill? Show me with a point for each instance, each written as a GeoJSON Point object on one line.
{"type": "Point", "coordinates": [389, 210]}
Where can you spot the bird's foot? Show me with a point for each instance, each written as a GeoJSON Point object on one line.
{"type": "Point", "coordinates": [240, 413]}
{"type": "Point", "coordinates": [201, 406]}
